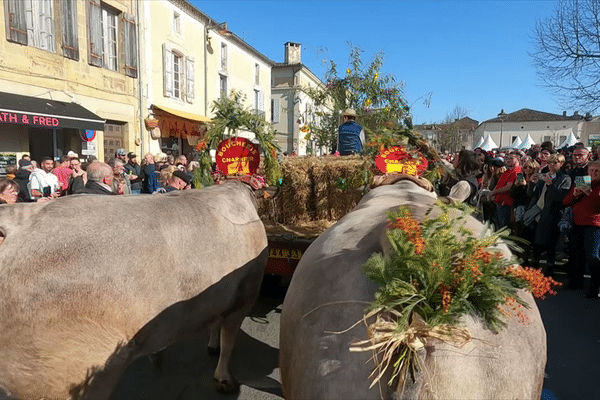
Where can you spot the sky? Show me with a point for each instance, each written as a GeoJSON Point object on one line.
{"type": "Point", "coordinates": [470, 54]}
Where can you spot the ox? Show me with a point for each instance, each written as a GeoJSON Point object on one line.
{"type": "Point", "coordinates": [90, 283]}
{"type": "Point", "coordinates": [329, 293]}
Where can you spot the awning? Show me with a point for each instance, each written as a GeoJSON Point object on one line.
{"type": "Point", "coordinates": [183, 114]}
{"type": "Point", "coordinates": [33, 111]}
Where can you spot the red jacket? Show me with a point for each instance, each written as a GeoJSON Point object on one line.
{"type": "Point", "coordinates": [586, 208]}
{"type": "Point", "coordinates": [507, 177]}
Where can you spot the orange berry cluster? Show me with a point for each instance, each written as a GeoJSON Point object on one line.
{"type": "Point", "coordinates": [539, 285]}
{"type": "Point", "coordinates": [412, 229]}
{"type": "Point", "coordinates": [446, 293]}
{"type": "Point", "coordinates": [512, 307]}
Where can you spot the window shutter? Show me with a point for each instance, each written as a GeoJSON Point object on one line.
{"type": "Point", "coordinates": [129, 28]}
{"type": "Point", "coordinates": [168, 70]}
{"type": "Point", "coordinates": [16, 25]}
{"type": "Point", "coordinates": [189, 79]}
{"type": "Point", "coordinates": [47, 26]}
{"type": "Point", "coordinates": [70, 45]}
{"type": "Point", "coordinates": [94, 14]}
{"type": "Point", "coordinates": [275, 110]}
{"type": "Point", "coordinates": [261, 101]}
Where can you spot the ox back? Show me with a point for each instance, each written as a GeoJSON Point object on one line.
{"type": "Point", "coordinates": [86, 279]}
{"type": "Point", "coordinates": [329, 293]}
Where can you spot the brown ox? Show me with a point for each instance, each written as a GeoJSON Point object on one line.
{"type": "Point", "coordinates": [90, 283]}
{"type": "Point", "coordinates": [329, 293]}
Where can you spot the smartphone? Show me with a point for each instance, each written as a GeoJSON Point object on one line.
{"type": "Point", "coordinates": [46, 191]}
{"type": "Point", "coordinates": [520, 176]}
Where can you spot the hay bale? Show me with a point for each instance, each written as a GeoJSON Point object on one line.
{"type": "Point", "coordinates": [317, 189]}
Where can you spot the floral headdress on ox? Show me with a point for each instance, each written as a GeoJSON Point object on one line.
{"type": "Point", "coordinates": [436, 272]}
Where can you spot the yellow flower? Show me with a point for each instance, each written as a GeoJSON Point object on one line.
{"type": "Point", "coordinates": [367, 102]}
{"type": "Point", "coordinates": [348, 71]}
{"type": "Point", "coordinates": [376, 76]}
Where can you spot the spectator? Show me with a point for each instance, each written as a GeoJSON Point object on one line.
{"type": "Point", "coordinates": [120, 183]}
{"type": "Point", "coordinates": [11, 171]}
{"type": "Point", "coordinates": [548, 193]}
{"type": "Point", "coordinates": [9, 191]}
{"type": "Point", "coordinates": [351, 136]}
{"type": "Point", "coordinates": [543, 159]}
{"type": "Point", "coordinates": [586, 230]}
{"type": "Point", "coordinates": [78, 176]}
{"type": "Point", "coordinates": [148, 175]}
{"type": "Point", "coordinates": [182, 159]}
{"type": "Point", "coordinates": [173, 179]}
{"type": "Point", "coordinates": [501, 192]}
{"type": "Point", "coordinates": [160, 161]}
{"type": "Point", "coordinates": [63, 173]}
{"type": "Point", "coordinates": [121, 154]}
{"type": "Point", "coordinates": [580, 160]}
{"type": "Point", "coordinates": [42, 183]}
{"type": "Point", "coordinates": [134, 171]}
{"type": "Point", "coordinates": [521, 200]}
{"type": "Point", "coordinates": [467, 166]}
{"type": "Point", "coordinates": [99, 179]}
{"type": "Point", "coordinates": [22, 179]}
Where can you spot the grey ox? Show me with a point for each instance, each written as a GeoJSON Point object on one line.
{"type": "Point", "coordinates": [90, 283]}
{"type": "Point", "coordinates": [329, 293]}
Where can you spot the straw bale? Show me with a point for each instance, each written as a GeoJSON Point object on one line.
{"type": "Point", "coordinates": [310, 191]}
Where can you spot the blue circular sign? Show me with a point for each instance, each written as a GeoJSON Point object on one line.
{"type": "Point", "coordinates": [88, 134]}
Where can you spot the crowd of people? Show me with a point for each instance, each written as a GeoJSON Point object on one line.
{"type": "Point", "coordinates": [548, 197]}
{"type": "Point", "coordinates": [33, 182]}
{"type": "Point", "coordinates": [529, 192]}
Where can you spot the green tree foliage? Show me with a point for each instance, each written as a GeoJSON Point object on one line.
{"type": "Point", "coordinates": [378, 100]}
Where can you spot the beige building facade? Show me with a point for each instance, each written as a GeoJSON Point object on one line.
{"type": "Point", "coordinates": [74, 66]}
{"type": "Point", "coordinates": [292, 109]}
{"type": "Point", "coordinates": [191, 60]}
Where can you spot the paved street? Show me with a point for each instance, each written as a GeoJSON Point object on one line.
{"type": "Point", "coordinates": [572, 323]}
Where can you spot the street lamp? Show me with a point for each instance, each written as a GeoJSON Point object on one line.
{"type": "Point", "coordinates": [221, 29]}
{"type": "Point", "coordinates": [502, 116]}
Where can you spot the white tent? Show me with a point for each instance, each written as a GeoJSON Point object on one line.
{"type": "Point", "coordinates": [516, 143]}
{"type": "Point", "coordinates": [527, 143]}
{"type": "Point", "coordinates": [569, 141]}
{"type": "Point", "coordinates": [488, 144]}
{"type": "Point", "coordinates": [479, 143]}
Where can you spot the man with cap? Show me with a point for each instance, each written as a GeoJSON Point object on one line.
{"type": "Point", "coordinates": [133, 171]}
{"type": "Point", "coordinates": [351, 136]}
{"type": "Point", "coordinates": [22, 178]}
{"type": "Point", "coordinates": [121, 154]}
{"type": "Point", "coordinates": [173, 179]}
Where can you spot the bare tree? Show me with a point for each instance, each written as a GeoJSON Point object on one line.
{"type": "Point", "coordinates": [452, 134]}
{"type": "Point", "coordinates": [567, 53]}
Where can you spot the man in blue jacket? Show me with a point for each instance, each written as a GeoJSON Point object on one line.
{"type": "Point", "coordinates": [351, 136]}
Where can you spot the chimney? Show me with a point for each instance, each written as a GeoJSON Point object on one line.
{"type": "Point", "coordinates": [564, 113]}
{"type": "Point", "coordinates": [293, 53]}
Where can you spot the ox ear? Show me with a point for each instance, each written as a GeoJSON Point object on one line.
{"type": "Point", "coordinates": [269, 192]}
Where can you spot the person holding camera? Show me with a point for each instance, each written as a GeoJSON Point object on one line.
{"type": "Point", "coordinates": [545, 207]}
{"type": "Point", "coordinates": [585, 200]}
{"type": "Point", "coordinates": [42, 183]}
{"type": "Point", "coordinates": [521, 201]}
{"type": "Point", "coordinates": [501, 193]}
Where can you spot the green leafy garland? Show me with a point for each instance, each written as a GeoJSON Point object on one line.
{"type": "Point", "coordinates": [435, 273]}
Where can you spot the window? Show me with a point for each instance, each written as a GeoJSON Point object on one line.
{"type": "Point", "coordinates": [256, 74]}
{"type": "Point", "coordinates": [30, 22]}
{"type": "Point", "coordinates": [258, 103]}
{"type": "Point", "coordinates": [223, 57]}
{"type": "Point", "coordinates": [223, 86]}
{"type": "Point", "coordinates": [108, 38]}
{"type": "Point", "coordinates": [179, 74]}
{"type": "Point", "coordinates": [176, 23]}
{"type": "Point", "coordinates": [562, 139]}
{"type": "Point", "coordinates": [70, 45]}
{"type": "Point", "coordinates": [176, 76]}
{"type": "Point", "coordinates": [546, 139]}
{"type": "Point", "coordinates": [275, 111]}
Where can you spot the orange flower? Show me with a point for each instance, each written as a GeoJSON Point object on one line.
{"type": "Point", "coordinates": [511, 307]}
{"type": "Point", "coordinates": [446, 296]}
{"type": "Point", "coordinates": [412, 229]}
{"type": "Point", "coordinates": [539, 285]}
{"type": "Point", "coordinates": [200, 145]}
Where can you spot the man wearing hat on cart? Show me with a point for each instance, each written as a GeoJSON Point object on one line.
{"type": "Point", "coordinates": [351, 136]}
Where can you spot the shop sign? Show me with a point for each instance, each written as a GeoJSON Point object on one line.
{"type": "Point", "coordinates": [88, 148]}
{"type": "Point", "coordinates": [29, 119]}
{"type": "Point", "coordinates": [397, 160]}
{"type": "Point", "coordinates": [237, 156]}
